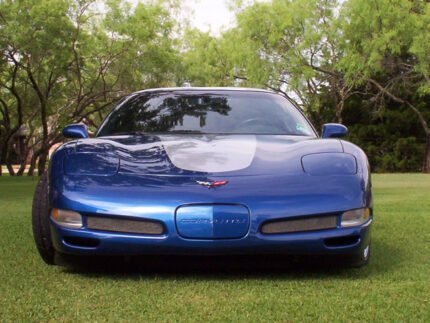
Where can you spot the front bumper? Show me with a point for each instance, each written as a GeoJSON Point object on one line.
{"type": "Point", "coordinates": [336, 241]}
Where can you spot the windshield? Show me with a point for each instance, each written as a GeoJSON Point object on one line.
{"type": "Point", "coordinates": [223, 112]}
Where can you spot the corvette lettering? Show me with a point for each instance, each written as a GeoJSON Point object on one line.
{"type": "Point", "coordinates": [214, 221]}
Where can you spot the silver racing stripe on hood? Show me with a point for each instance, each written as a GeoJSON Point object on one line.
{"type": "Point", "coordinates": [211, 153]}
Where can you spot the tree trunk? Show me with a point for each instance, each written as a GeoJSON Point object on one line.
{"type": "Point", "coordinates": [23, 162]}
{"type": "Point", "coordinates": [10, 168]}
{"type": "Point", "coordinates": [339, 110]}
{"type": "Point", "coordinates": [9, 161]}
{"type": "Point", "coordinates": [41, 165]}
{"type": "Point", "coordinates": [4, 153]}
{"type": "Point", "coordinates": [32, 164]}
{"type": "Point", "coordinates": [426, 168]}
{"type": "Point", "coordinates": [1, 161]}
{"type": "Point", "coordinates": [1, 152]}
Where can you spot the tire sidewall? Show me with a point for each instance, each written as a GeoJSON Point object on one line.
{"type": "Point", "coordinates": [40, 221]}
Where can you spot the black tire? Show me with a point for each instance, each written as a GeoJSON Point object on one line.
{"type": "Point", "coordinates": [40, 221]}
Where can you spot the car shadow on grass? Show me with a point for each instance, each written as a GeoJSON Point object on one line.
{"type": "Point", "coordinates": [384, 258]}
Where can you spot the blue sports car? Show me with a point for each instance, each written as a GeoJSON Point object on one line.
{"type": "Point", "coordinates": [205, 171]}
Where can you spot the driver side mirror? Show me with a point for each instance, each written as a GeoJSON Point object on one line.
{"type": "Point", "coordinates": [76, 130]}
{"type": "Point", "coordinates": [334, 130]}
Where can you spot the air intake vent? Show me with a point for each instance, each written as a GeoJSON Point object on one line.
{"type": "Point", "coordinates": [82, 242]}
{"type": "Point", "coordinates": [342, 241]}
{"type": "Point", "coordinates": [300, 225]}
{"type": "Point", "coordinates": [124, 225]}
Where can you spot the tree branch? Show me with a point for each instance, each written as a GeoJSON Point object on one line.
{"type": "Point", "coordinates": [395, 98]}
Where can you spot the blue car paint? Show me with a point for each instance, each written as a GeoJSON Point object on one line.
{"type": "Point", "coordinates": [340, 164]}
{"type": "Point", "coordinates": [334, 130]}
{"type": "Point", "coordinates": [82, 164]}
{"type": "Point", "coordinates": [136, 179]}
{"type": "Point", "coordinates": [75, 131]}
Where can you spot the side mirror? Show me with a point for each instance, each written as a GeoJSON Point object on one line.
{"type": "Point", "coordinates": [334, 130]}
{"type": "Point", "coordinates": [75, 131]}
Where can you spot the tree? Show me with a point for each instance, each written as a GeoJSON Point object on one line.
{"type": "Point", "coordinates": [63, 62]}
{"type": "Point", "coordinates": [206, 59]}
{"type": "Point", "coordinates": [386, 46]}
{"type": "Point", "coordinates": [329, 54]}
{"type": "Point", "coordinates": [292, 46]}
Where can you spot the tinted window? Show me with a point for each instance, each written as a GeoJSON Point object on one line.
{"type": "Point", "coordinates": [227, 112]}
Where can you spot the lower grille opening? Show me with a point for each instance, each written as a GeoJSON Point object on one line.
{"type": "Point", "coordinates": [82, 242]}
{"type": "Point", "coordinates": [341, 241]}
{"type": "Point", "coordinates": [124, 225]}
{"type": "Point", "coordinates": [300, 225]}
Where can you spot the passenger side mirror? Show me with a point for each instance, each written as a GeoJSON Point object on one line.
{"type": "Point", "coordinates": [76, 130]}
{"type": "Point", "coordinates": [334, 130]}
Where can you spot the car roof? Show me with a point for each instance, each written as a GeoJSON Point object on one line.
{"type": "Point", "coordinates": [203, 89]}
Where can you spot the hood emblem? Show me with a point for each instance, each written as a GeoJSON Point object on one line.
{"type": "Point", "coordinates": [213, 184]}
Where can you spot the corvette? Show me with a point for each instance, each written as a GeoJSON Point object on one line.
{"type": "Point", "coordinates": [205, 171]}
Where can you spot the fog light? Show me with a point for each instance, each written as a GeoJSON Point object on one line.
{"type": "Point", "coordinates": [356, 217]}
{"type": "Point", "coordinates": [67, 219]}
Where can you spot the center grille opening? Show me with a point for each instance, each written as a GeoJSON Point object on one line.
{"type": "Point", "coordinates": [124, 225]}
{"type": "Point", "coordinates": [300, 225]}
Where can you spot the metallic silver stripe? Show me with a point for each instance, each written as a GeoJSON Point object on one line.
{"type": "Point", "coordinates": [211, 153]}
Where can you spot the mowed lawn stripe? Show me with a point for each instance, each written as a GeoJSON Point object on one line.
{"type": "Point", "coordinates": [394, 287]}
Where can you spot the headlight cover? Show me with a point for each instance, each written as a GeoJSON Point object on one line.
{"type": "Point", "coordinates": [355, 217]}
{"type": "Point", "coordinates": [67, 219]}
{"type": "Point", "coordinates": [329, 164]}
{"type": "Point", "coordinates": [100, 164]}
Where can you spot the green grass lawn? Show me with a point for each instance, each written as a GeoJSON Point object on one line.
{"type": "Point", "coordinates": [394, 287]}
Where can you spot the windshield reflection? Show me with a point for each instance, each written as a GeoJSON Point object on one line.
{"type": "Point", "coordinates": [207, 113]}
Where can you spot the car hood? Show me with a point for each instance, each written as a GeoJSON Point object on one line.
{"type": "Point", "coordinates": [212, 155]}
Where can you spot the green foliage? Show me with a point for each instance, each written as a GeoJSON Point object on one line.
{"type": "Point", "coordinates": [420, 48]}
{"type": "Point", "coordinates": [386, 49]}
{"type": "Point", "coordinates": [294, 47]}
{"type": "Point", "coordinates": [332, 57]}
{"type": "Point", "coordinates": [206, 60]}
{"type": "Point", "coordinates": [368, 27]}
{"type": "Point", "coordinates": [64, 61]}
{"type": "Point", "coordinates": [149, 58]}
{"type": "Point", "coordinates": [390, 141]}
